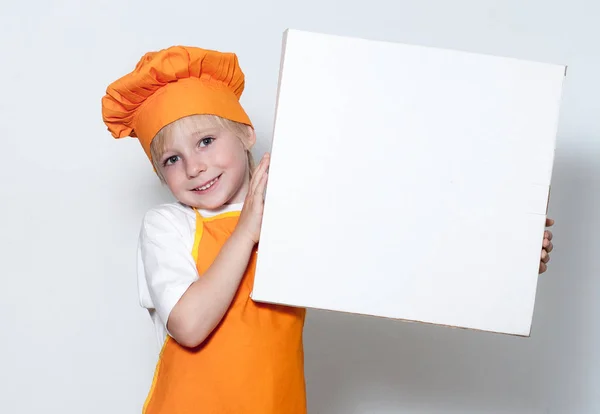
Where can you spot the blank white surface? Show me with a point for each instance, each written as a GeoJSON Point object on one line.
{"type": "Point", "coordinates": [396, 169]}
{"type": "Point", "coordinates": [74, 338]}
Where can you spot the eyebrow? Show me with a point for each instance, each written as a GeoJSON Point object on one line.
{"type": "Point", "coordinates": [196, 134]}
{"type": "Point", "coordinates": [204, 132]}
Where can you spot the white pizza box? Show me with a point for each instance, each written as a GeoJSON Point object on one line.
{"type": "Point", "coordinates": [408, 182]}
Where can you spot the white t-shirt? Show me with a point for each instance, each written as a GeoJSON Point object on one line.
{"type": "Point", "coordinates": [165, 265]}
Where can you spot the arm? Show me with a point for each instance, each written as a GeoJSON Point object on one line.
{"type": "Point", "coordinates": [205, 302]}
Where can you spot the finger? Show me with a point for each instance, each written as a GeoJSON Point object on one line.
{"type": "Point", "coordinates": [257, 168]}
{"type": "Point", "coordinates": [253, 178]}
{"type": "Point", "coordinates": [548, 234]}
{"type": "Point", "coordinates": [550, 247]}
{"type": "Point", "coordinates": [543, 268]}
{"type": "Point", "coordinates": [260, 171]}
{"type": "Point", "coordinates": [545, 257]}
{"type": "Point", "coordinates": [262, 185]}
{"type": "Point", "coordinates": [549, 222]}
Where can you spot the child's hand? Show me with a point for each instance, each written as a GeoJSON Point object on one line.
{"type": "Point", "coordinates": [546, 247]}
{"type": "Point", "coordinates": [251, 216]}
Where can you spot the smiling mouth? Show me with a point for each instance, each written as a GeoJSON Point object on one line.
{"type": "Point", "coordinates": [208, 185]}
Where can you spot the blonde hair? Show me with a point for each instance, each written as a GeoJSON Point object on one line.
{"type": "Point", "coordinates": [191, 123]}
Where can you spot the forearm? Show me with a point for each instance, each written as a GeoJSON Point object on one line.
{"type": "Point", "coordinates": [205, 302]}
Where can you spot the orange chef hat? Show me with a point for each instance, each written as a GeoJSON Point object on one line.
{"type": "Point", "coordinates": [170, 84]}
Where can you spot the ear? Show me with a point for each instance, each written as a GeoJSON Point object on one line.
{"type": "Point", "coordinates": [250, 137]}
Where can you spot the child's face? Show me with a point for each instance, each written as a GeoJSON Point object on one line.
{"type": "Point", "coordinates": [205, 166]}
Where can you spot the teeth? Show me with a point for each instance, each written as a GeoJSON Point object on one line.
{"type": "Point", "coordinates": [207, 186]}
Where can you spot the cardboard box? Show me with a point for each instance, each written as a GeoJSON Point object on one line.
{"type": "Point", "coordinates": [408, 182]}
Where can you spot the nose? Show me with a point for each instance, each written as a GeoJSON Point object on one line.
{"type": "Point", "coordinates": [194, 167]}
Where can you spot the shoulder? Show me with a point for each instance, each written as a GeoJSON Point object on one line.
{"type": "Point", "coordinates": [173, 218]}
{"type": "Point", "coordinates": [165, 265]}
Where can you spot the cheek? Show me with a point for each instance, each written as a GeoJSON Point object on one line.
{"type": "Point", "coordinates": [234, 157]}
{"type": "Point", "coordinates": [241, 161]}
{"type": "Point", "coordinates": [241, 158]}
{"type": "Point", "coordinates": [172, 176]}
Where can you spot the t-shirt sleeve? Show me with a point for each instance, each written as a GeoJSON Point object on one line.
{"type": "Point", "coordinates": [166, 267]}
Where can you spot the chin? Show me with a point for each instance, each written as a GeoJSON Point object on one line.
{"type": "Point", "coordinates": [211, 206]}
{"type": "Point", "coordinates": [205, 203]}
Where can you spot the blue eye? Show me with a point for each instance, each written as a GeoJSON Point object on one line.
{"type": "Point", "coordinates": [204, 142]}
{"type": "Point", "coordinates": [171, 160]}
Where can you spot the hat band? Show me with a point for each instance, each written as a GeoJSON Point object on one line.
{"type": "Point", "coordinates": [185, 97]}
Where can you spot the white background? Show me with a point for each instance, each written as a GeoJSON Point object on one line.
{"type": "Point", "coordinates": [74, 339]}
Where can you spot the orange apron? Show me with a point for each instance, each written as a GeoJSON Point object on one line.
{"type": "Point", "coordinates": [252, 363]}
